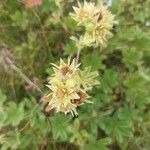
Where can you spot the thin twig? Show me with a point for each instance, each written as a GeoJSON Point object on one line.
{"type": "Point", "coordinates": [22, 75]}
{"type": "Point", "coordinates": [24, 127]}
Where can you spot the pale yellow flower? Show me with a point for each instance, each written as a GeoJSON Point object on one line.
{"type": "Point", "coordinates": [105, 22]}
{"type": "Point", "coordinates": [61, 99]}
{"type": "Point", "coordinates": [66, 69]}
{"type": "Point", "coordinates": [67, 88]}
{"type": "Point", "coordinates": [83, 13]}
{"type": "Point", "coordinates": [65, 95]}
{"type": "Point", "coordinates": [98, 22]}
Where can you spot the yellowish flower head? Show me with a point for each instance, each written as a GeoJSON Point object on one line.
{"type": "Point", "coordinates": [105, 22]}
{"type": "Point", "coordinates": [83, 13]}
{"type": "Point", "coordinates": [67, 88]}
{"type": "Point", "coordinates": [66, 69]}
{"type": "Point", "coordinates": [98, 22]}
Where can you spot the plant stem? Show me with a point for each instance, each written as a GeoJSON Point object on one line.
{"type": "Point", "coordinates": [16, 69]}
{"type": "Point", "coordinates": [24, 127]}
{"type": "Point", "coordinates": [78, 54]}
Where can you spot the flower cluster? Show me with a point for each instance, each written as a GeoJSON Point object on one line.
{"type": "Point", "coordinates": [69, 86]}
{"type": "Point", "coordinates": [98, 22]}
{"type": "Point", "coordinates": [32, 3]}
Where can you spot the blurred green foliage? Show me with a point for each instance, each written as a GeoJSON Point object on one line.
{"type": "Point", "coordinates": [119, 117]}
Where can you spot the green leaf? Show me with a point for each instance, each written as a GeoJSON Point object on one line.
{"type": "Point", "coordinates": [137, 91]}
{"type": "Point", "coordinates": [12, 142]}
{"type": "Point", "coordinates": [98, 145]}
{"type": "Point", "coordinates": [60, 124]}
{"type": "Point", "coordinates": [20, 19]}
{"type": "Point", "coordinates": [70, 23]}
{"type": "Point", "coordinates": [131, 58]}
{"type": "Point", "coordinates": [88, 77]}
{"type": "Point", "coordinates": [119, 126]}
{"type": "Point", "coordinates": [110, 80]}
{"type": "Point", "coordinates": [2, 98]}
{"type": "Point", "coordinates": [94, 60]}
{"type": "Point", "coordinates": [3, 116]}
{"type": "Point", "coordinates": [15, 113]}
{"type": "Point", "coordinates": [70, 48]}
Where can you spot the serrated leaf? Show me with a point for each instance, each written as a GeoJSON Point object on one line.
{"type": "Point", "coordinates": [60, 125]}
{"type": "Point", "coordinates": [119, 126]}
{"type": "Point", "coordinates": [98, 145]}
{"type": "Point", "coordinates": [12, 142]}
{"type": "Point", "coordinates": [15, 113]}
{"type": "Point", "coordinates": [88, 78]}
{"type": "Point", "coordinates": [94, 60]}
{"type": "Point", "coordinates": [109, 80]}
{"type": "Point", "coordinates": [70, 48]}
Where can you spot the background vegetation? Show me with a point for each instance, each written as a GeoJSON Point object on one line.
{"type": "Point", "coordinates": [32, 38]}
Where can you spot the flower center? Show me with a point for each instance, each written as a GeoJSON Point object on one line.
{"type": "Point", "coordinates": [60, 93]}
{"type": "Point", "coordinates": [99, 31]}
{"type": "Point", "coordinates": [65, 70]}
{"type": "Point", "coordinates": [83, 14]}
